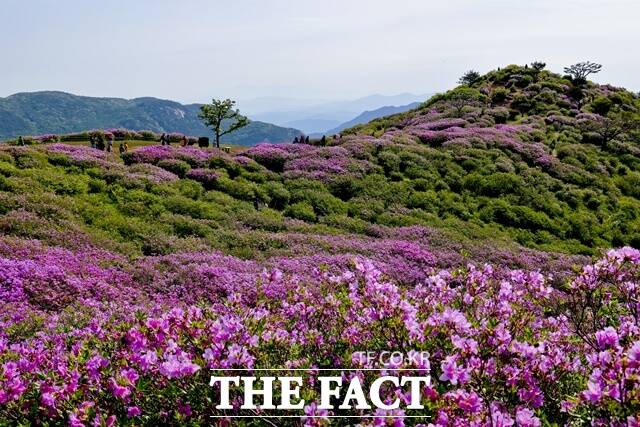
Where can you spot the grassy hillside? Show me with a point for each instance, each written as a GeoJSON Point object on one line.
{"type": "Point", "coordinates": [58, 112]}
{"type": "Point", "coordinates": [515, 157]}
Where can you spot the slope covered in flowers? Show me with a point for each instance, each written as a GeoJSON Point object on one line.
{"type": "Point", "coordinates": [463, 228]}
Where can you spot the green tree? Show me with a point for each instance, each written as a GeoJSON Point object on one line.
{"type": "Point", "coordinates": [581, 70]}
{"type": "Point", "coordinates": [462, 97]}
{"type": "Point", "coordinates": [538, 65]}
{"type": "Point", "coordinates": [222, 117]}
{"type": "Point", "coordinates": [469, 77]}
{"type": "Point", "coordinates": [616, 125]}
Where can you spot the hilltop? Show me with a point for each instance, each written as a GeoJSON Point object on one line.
{"type": "Point", "coordinates": [554, 162]}
{"type": "Point", "coordinates": [37, 113]}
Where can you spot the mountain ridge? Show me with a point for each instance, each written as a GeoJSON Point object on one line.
{"type": "Point", "coordinates": [319, 118]}
{"type": "Point", "coordinates": [32, 113]}
{"type": "Point", "coordinates": [367, 116]}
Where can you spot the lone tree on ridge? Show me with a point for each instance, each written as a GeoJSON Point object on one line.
{"type": "Point", "coordinates": [222, 117]}
{"type": "Point", "coordinates": [581, 70]}
{"type": "Point", "coordinates": [469, 77]}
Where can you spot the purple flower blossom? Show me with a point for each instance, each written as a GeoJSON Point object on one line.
{"type": "Point", "coordinates": [607, 337]}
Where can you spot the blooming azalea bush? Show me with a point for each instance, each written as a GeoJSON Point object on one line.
{"type": "Point", "coordinates": [206, 177]}
{"type": "Point", "coordinates": [156, 153]}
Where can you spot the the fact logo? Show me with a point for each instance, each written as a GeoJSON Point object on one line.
{"type": "Point", "coordinates": [351, 395]}
{"type": "Point", "coordinates": [366, 388]}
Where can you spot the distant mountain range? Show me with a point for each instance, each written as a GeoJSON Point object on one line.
{"type": "Point", "coordinates": [323, 116]}
{"type": "Point", "coordinates": [36, 113]}
{"type": "Point", "coordinates": [367, 116]}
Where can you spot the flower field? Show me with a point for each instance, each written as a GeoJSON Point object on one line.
{"type": "Point", "coordinates": [479, 232]}
{"type": "Point", "coordinates": [92, 344]}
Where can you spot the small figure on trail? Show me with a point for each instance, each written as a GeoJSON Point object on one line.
{"type": "Point", "coordinates": [110, 144]}
{"type": "Point", "coordinates": [306, 140]}
{"type": "Point", "coordinates": [257, 204]}
{"type": "Point", "coordinates": [163, 139]}
{"type": "Point", "coordinates": [92, 141]}
{"type": "Point", "coordinates": [126, 147]}
{"type": "Point", "coordinates": [323, 140]}
{"type": "Point", "coordinates": [295, 140]}
{"type": "Point", "coordinates": [121, 148]}
{"type": "Point", "coordinates": [20, 141]}
{"type": "Point", "coordinates": [183, 142]}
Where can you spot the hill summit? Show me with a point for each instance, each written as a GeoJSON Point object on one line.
{"type": "Point", "coordinates": [552, 160]}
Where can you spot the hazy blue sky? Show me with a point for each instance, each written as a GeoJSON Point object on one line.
{"type": "Point", "coordinates": [190, 50]}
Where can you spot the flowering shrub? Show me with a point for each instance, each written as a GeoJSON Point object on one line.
{"type": "Point", "coordinates": [307, 161]}
{"type": "Point", "coordinates": [271, 156]}
{"type": "Point", "coordinates": [175, 137]}
{"type": "Point", "coordinates": [156, 153]}
{"type": "Point", "coordinates": [43, 139]}
{"type": "Point", "coordinates": [206, 177]}
{"type": "Point", "coordinates": [120, 133]}
{"type": "Point", "coordinates": [178, 167]}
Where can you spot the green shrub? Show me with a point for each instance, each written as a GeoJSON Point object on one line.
{"type": "Point", "coordinates": [60, 183]}
{"type": "Point", "coordinates": [499, 95]}
{"type": "Point", "coordinates": [343, 222]}
{"type": "Point", "coordinates": [343, 187]}
{"type": "Point", "coordinates": [233, 169]}
{"type": "Point", "coordinates": [97, 186]}
{"type": "Point", "coordinates": [493, 185]}
{"type": "Point", "coordinates": [184, 206]}
{"type": "Point", "coordinates": [7, 169]}
{"type": "Point", "coordinates": [389, 161]}
{"type": "Point", "coordinates": [6, 158]}
{"type": "Point", "coordinates": [426, 200]}
{"type": "Point", "coordinates": [238, 188]}
{"type": "Point", "coordinates": [629, 184]}
{"type": "Point", "coordinates": [365, 208]}
{"type": "Point", "coordinates": [323, 203]}
{"type": "Point", "coordinates": [141, 203]}
{"type": "Point", "coordinates": [601, 105]}
{"type": "Point", "coordinates": [185, 187]}
{"type": "Point", "coordinates": [264, 219]}
{"type": "Point", "coordinates": [522, 103]}
{"type": "Point", "coordinates": [179, 167]}
{"type": "Point", "coordinates": [278, 194]}
{"type": "Point", "coordinates": [301, 210]}
{"type": "Point", "coordinates": [500, 114]}
{"type": "Point", "coordinates": [185, 226]}
{"type": "Point", "coordinates": [30, 159]}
